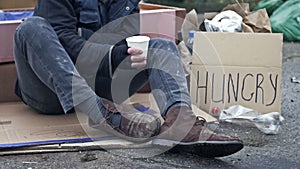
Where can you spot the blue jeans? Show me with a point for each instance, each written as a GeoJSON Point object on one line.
{"type": "Point", "coordinates": [47, 76]}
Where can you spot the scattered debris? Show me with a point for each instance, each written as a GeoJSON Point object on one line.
{"type": "Point", "coordinates": [88, 157]}
{"type": "Point", "coordinates": [215, 111]}
{"type": "Point", "coordinates": [255, 142]}
{"type": "Point", "coordinates": [269, 123]}
{"type": "Point", "coordinates": [28, 162]}
{"type": "Point", "coordinates": [294, 80]}
{"type": "Point", "coordinates": [5, 122]}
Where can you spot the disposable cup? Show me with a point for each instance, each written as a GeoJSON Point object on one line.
{"type": "Point", "coordinates": [139, 42]}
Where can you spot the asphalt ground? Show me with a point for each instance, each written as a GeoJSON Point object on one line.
{"type": "Point", "coordinates": [280, 151]}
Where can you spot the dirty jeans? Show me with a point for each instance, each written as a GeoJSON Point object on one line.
{"type": "Point", "coordinates": [48, 80]}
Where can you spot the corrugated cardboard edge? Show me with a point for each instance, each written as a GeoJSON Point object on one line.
{"type": "Point", "coordinates": [75, 147]}
{"type": "Point", "coordinates": [149, 6]}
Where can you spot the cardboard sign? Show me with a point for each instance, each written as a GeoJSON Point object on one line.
{"type": "Point", "coordinates": [237, 69]}
{"type": "Point", "coordinates": [8, 77]}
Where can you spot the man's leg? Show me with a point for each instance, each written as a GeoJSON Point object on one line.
{"type": "Point", "coordinates": [166, 76]}
{"type": "Point", "coordinates": [45, 71]}
{"type": "Point", "coordinates": [164, 72]}
{"type": "Point", "coordinates": [39, 53]}
{"type": "Point", "coordinates": [125, 84]}
{"type": "Point", "coordinates": [168, 83]}
{"type": "Point", "coordinates": [181, 127]}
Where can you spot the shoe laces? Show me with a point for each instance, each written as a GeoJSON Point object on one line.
{"type": "Point", "coordinates": [200, 121]}
{"type": "Point", "coordinates": [110, 110]}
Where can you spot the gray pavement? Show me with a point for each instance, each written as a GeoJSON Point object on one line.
{"type": "Point", "coordinates": [260, 151]}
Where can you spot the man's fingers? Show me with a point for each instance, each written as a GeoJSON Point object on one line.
{"type": "Point", "coordinates": [139, 58]}
{"type": "Point", "coordinates": [139, 65]}
{"type": "Point", "coordinates": [138, 61]}
{"type": "Point", "coordinates": [134, 51]}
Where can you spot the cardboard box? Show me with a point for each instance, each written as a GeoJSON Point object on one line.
{"type": "Point", "coordinates": [16, 4]}
{"type": "Point", "coordinates": [7, 31]}
{"type": "Point", "coordinates": [168, 20]}
{"type": "Point", "coordinates": [8, 77]}
{"type": "Point", "coordinates": [7, 28]}
{"type": "Point", "coordinates": [237, 68]}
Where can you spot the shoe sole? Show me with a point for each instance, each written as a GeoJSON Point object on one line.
{"type": "Point", "coordinates": [208, 149]}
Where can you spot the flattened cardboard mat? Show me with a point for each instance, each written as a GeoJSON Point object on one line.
{"type": "Point", "coordinates": [21, 126]}
{"type": "Point", "coordinates": [24, 130]}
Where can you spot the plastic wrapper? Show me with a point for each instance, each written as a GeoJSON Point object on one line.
{"type": "Point", "coordinates": [226, 21]}
{"type": "Point", "coordinates": [252, 22]}
{"type": "Point", "coordinates": [269, 123]}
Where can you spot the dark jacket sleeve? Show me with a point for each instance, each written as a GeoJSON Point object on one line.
{"type": "Point", "coordinates": [62, 16]}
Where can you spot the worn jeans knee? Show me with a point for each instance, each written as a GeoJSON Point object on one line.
{"type": "Point", "coordinates": [32, 57]}
{"type": "Point", "coordinates": [167, 77]}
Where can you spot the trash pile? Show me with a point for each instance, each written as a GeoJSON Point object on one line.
{"type": "Point", "coordinates": [237, 18]}
{"type": "Point", "coordinates": [284, 17]}
{"type": "Point", "coordinates": [277, 16]}
{"type": "Point", "coordinates": [233, 18]}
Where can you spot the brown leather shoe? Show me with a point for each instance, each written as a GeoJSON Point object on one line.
{"type": "Point", "coordinates": [185, 132]}
{"type": "Point", "coordinates": [135, 126]}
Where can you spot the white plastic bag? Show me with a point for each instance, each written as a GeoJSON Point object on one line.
{"type": "Point", "coordinates": [269, 123]}
{"type": "Point", "coordinates": [226, 21]}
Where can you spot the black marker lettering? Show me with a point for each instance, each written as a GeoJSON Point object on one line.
{"type": "Point", "coordinates": [213, 87]}
{"type": "Point", "coordinates": [274, 85]}
{"type": "Point", "coordinates": [243, 88]}
{"type": "Point", "coordinates": [235, 91]}
{"type": "Point", "coordinates": [258, 86]}
{"type": "Point", "coordinates": [199, 87]}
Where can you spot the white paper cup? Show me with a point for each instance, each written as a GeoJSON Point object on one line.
{"type": "Point", "coordinates": [139, 42]}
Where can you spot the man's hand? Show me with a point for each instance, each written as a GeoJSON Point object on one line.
{"type": "Point", "coordinates": [138, 60]}
{"type": "Point", "coordinates": [127, 58]}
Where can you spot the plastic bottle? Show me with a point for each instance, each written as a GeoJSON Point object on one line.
{"type": "Point", "coordinates": [190, 41]}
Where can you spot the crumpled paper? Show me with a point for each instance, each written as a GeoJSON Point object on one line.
{"type": "Point", "coordinates": [186, 57]}
{"type": "Point", "coordinates": [269, 123]}
{"type": "Point", "coordinates": [258, 22]}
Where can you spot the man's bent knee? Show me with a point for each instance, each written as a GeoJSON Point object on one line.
{"type": "Point", "coordinates": [31, 25]}
{"type": "Point", "coordinates": [163, 48]}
